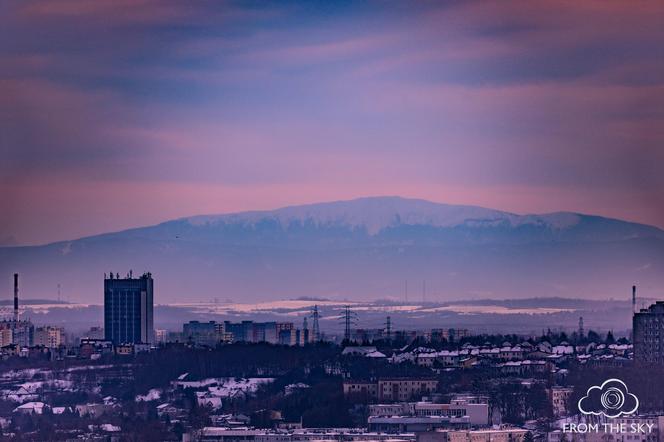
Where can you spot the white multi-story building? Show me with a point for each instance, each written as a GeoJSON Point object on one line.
{"type": "Point", "coordinates": [48, 336]}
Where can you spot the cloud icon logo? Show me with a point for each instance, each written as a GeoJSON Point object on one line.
{"type": "Point", "coordinates": [611, 399]}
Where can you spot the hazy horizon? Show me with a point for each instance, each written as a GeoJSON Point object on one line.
{"type": "Point", "coordinates": [360, 249]}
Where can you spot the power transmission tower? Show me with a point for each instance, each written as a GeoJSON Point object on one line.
{"type": "Point", "coordinates": [349, 318]}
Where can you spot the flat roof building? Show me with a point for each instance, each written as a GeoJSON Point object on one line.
{"type": "Point", "coordinates": [128, 309]}
{"type": "Point", "coordinates": [648, 331]}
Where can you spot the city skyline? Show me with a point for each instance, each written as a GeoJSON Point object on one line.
{"type": "Point", "coordinates": [281, 221]}
{"type": "Point", "coordinates": [129, 116]}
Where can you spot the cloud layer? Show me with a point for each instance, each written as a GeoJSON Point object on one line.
{"type": "Point", "coordinates": [116, 114]}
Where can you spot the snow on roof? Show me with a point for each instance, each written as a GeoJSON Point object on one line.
{"type": "Point", "coordinates": [375, 354]}
{"type": "Point", "coordinates": [151, 395]}
{"type": "Point", "coordinates": [563, 349]}
{"type": "Point", "coordinates": [363, 350]}
{"type": "Point", "coordinates": [110, 428]}
{"type": "Point", "coordinates": [35, 407]}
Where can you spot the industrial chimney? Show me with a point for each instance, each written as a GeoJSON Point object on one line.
{"type": "Point", "coordinates": [633, 299]}
{"type": "Point", "coordinates": [16, 297]}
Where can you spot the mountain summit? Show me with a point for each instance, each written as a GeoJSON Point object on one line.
{"type": "Point", "coordinates": [375, 214]}
{"type": "Point", "coordinates": [361, 249]}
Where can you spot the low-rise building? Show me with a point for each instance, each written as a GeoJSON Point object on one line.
{"type": "Point", "coordinates": [463, 411]}
{"type": "Point", "coordinates": [391, 389]}
{"type": "Point", "coordinates": [507, 434]}
{"type": "Point", "coordinates": [398, 389]}
{"type": "Point", "coordinates": [90, 347]}
{"type": "Point", "coordinates": [216, 434]}
{"type": "Point", "coordinates": [361, 389]}
{"type": "Point", "coordinates": [31, 408]}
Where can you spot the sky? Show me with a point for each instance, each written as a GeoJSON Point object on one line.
{"type": "Point", "coordinates": [115, 114]}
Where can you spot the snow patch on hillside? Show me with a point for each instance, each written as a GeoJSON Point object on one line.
{"type": "Point", "coordinates": [378, 213]}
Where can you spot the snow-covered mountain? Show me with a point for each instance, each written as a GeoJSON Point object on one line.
{"type": "Point", "coordinates": [379, 213]}
{"type": "Point", "coordinates": [360, 249]}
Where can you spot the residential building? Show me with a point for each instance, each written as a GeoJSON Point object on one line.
{"type": "Point", "coordinates": [161, 336]}
{"type": "Point", "coordinates": [648, 332]}
{"type": "Point", "coordinates": [396, 389]}
{"type": "Point", "coordinates": [448, 334]}
{"type": "Point", "coordinates": [361, 389]}
{"type": "Point", "coordinates": [49, 336]}
{"type": "Point", "coordinates": [5, 336]}
{"type": "Point", "coordinates": [22, 332]}
{"type": "Point", "coordinates": [95, 333]}
{"type": "Point", "coordinates": [205, 333]}
{"type": "Point", "coordinates": [272, 332]}
{"type": "Point", "coordinates": [405, 389]}
{"type": "Point", "coordinates": [559, 397]}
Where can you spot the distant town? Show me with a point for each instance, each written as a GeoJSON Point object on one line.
{"type": "Point", "coordinates": [287, 381]}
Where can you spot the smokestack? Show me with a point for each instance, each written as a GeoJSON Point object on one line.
{"type": "Point", "coordinates": [633, 299]}
{"type": "Point", "coordinates": [15, 297]}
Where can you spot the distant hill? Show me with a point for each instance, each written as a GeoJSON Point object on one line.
{"type": "Point", "coordinates": [33, 301]}
{"type": "Point", "coordinates": [360, 249]}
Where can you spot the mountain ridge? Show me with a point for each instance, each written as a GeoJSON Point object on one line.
{"type": "Point", "coordinates": [359, 249]}
{"type": "Point", "coordinates": [558, 219]}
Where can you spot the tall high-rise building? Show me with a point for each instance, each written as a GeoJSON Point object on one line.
{"type": "Point", "coordinates": [128, 306]}
{"type": "Point", "coordinates": [648, 332]}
